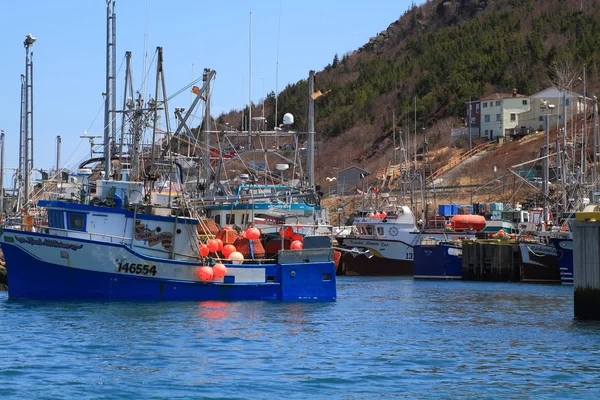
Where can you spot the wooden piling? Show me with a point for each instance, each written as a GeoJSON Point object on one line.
{"type": "Point", "coordinates": [586, 269]}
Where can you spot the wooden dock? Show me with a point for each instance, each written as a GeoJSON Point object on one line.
{"type": "Point", "coordinates": [490, 260]}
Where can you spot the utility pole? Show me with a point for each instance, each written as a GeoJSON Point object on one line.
{"type": "Point", "coordinates": [594, 171]}
{"type": "Point", "coordinates": [394, 137]}
{"type": "Point", "coordinates": [469, 124]}
{"type": "Point", "coordinates": [584, 132]}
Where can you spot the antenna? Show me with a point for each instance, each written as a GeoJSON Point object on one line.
{"type": "Point", "coordinates": [250, 90]}
{"type": "Point", "coordinates": [277, 67]}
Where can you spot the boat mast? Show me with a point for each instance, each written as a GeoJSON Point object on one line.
{"type": "Point", "coordinates": [109, 99]}
{"type": "Point", "coordinates": [311, 131]}
{"type": "Point", "coordinates": [28, 121]}
{"type": "Point", "coordinates": [206, 78]}
{"type": "Point", "coordinates": [2, 173]}
{"type": "Point", "coordinates": [129, 103]}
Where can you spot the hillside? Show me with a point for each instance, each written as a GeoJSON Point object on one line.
{"type": "Point", "coordinates": [428, 63]}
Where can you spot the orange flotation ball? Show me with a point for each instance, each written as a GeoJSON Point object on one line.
{"type": "Point", "coordinates": [213, 245]}
{"type": "Point", "coordinates": [287, 233]}
{"type": "Point", "coordinates": [227, 250]}
{"type": "Point", "coordinates": [205, 274]}
{"type": "Point", "coordinates": [219, 271]}
{"type": "Point", "coordinates": [296, 245]}
{"type": "Point", "coordinates": [220, 243]}
{"type": "Point", "coordinates": [252, 233]}
{"type": "Point", "coordinates": [204, 250]}
{"type": "Point", "coordinates": [297, 236]}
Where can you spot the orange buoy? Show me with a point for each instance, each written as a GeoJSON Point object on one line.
{"type": "Point", "coordinates": [236, 257]}
{"type": "Point", "coordinates": [297, 236]}
{"type": "Point", "coordinates": [252, 233]}
{"type": "Point", "coordinates": [227, 250]}
{"type": "Point", "coordinates": [205, 273]}
{"type": "Point", "coordinates": [204, 250]}
{"type": "Point", "coordinates": [287, 232]}
{"type": "Point", "coordinates": [219, 271]}
{"type": "Point", "coordinates": [337, 255]}
{"type": "Point", "coordinates": [296, 245]}
{"type": "Point", "coordinates": [213, 245]}
{"type": "Point", "coordinates": [220, 243]}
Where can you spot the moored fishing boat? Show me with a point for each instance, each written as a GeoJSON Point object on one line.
{"type": "Point", "coordinates": [124, 240]}
{"type": "Point", "coordinates": [390, 234]}
{"type": "Point", "coordinates": [436, 259]}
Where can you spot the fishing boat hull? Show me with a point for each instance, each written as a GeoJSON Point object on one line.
{"type": "Point", "coordinates": [564, 251]}
{"type": "Point", "coordinates": [539, 263]}
{"type": "Point", "coordinates": [42, 266]}
{"type": "Point", "coordinates": [439, 261]}
{"type": "Point", "coordinates": [360, 265]}
{"type": "Point", "coordinates": [390, 258]}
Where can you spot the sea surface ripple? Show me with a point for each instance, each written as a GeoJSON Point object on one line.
{"type": "Point", "coordinates": [382, 338]}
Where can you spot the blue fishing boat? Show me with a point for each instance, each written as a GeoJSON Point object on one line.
{"type": "Point", "coordinates": [108, 250]}
{"type": "Point", "coordinates": [436, 259]}
{"type": "Point", "coordinates": [122, 239]}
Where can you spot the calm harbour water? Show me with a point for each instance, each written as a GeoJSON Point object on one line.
{"type": "Point", "coordinates": [384, 337]}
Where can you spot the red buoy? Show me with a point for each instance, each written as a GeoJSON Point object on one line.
{"type": "Point", "coordinates": [205, 273]}
{"type": "Point", "coordinates": [219, 271]}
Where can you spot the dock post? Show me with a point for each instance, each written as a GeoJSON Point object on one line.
{"type": "Point", "coordinates": [586, 269]}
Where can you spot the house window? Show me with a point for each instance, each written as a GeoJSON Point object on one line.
{"type": "Point", "coordinates": [473, 120]}
{"type": "Point", "coordinates": [491, 104]}
{"type": "Point", "coordinates": [498, 103]}
{"type": "Point", "coordinates": [568, 102]}
{"type": "Point", "coordinates": [513, 117]}
{"type": "Point", "coordinates": [76, 221]}
{"type": "Point", "coordinates": [541, 117]}
{"type": "Point", "coordinates": [498, 117]}
{"type": "Point", "coordinates": [524, 102]}
{"type": "Point", "coordinates": [486, 118]}
{"type": "Point", "coordinates": [476, 108]}
{"type": "Point", "coordinates": [484, 105]}
{"type": "Point", "coordinates": [486, 132]}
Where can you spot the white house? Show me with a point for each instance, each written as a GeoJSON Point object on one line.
{"type": "Point", "coordinates": [556, 103]}
{"type": "Point", "coordinates": [500, 112]}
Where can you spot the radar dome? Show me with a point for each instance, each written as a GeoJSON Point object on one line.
{"type": "Point", "coordinates": [288, 119]}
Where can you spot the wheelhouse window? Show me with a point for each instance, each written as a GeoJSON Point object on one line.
{"type": "Point", "coordinates": [76, 221]}
{"type": "Point", "coordinates": [230, 219]}
{"type": "Point", "coordinates": [369, 230]}
{"type": "Point", "coordinates": [218, 219]}
{"type": "Point", "coordinates": [380, 231]}
{"type": "Point", "coordinates": [56, 219]}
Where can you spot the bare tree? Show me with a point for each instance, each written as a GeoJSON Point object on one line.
{"type": "Point", "coordinates": [563, 75]}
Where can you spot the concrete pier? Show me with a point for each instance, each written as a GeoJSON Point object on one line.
{"type": "Point", "coordinates": [586, 267]}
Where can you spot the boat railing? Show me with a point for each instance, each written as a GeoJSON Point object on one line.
{"type": "Point", "coordinates": [41, 228]}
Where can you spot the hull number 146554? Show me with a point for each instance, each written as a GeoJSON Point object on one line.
{"type": "Point", "coordinates": [138, 269]}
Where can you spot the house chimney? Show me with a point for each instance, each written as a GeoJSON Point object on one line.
{"type": "Point", "coordinates": [514, 92]}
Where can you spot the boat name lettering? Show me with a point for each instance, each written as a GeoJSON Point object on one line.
{"type": "Point", "coordinates": [48, 242]}
{"type": "Point", "coordinates": [542, 249]}
{"type": "Point", "coordinates": [138, 269]}
{"type": "Point", "coordinates": [384, 244]}
{"type": "Point", "coordinates": [153, 238]}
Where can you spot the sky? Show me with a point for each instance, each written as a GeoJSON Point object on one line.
{"type": "Point", "coordinates": [289, 38]}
